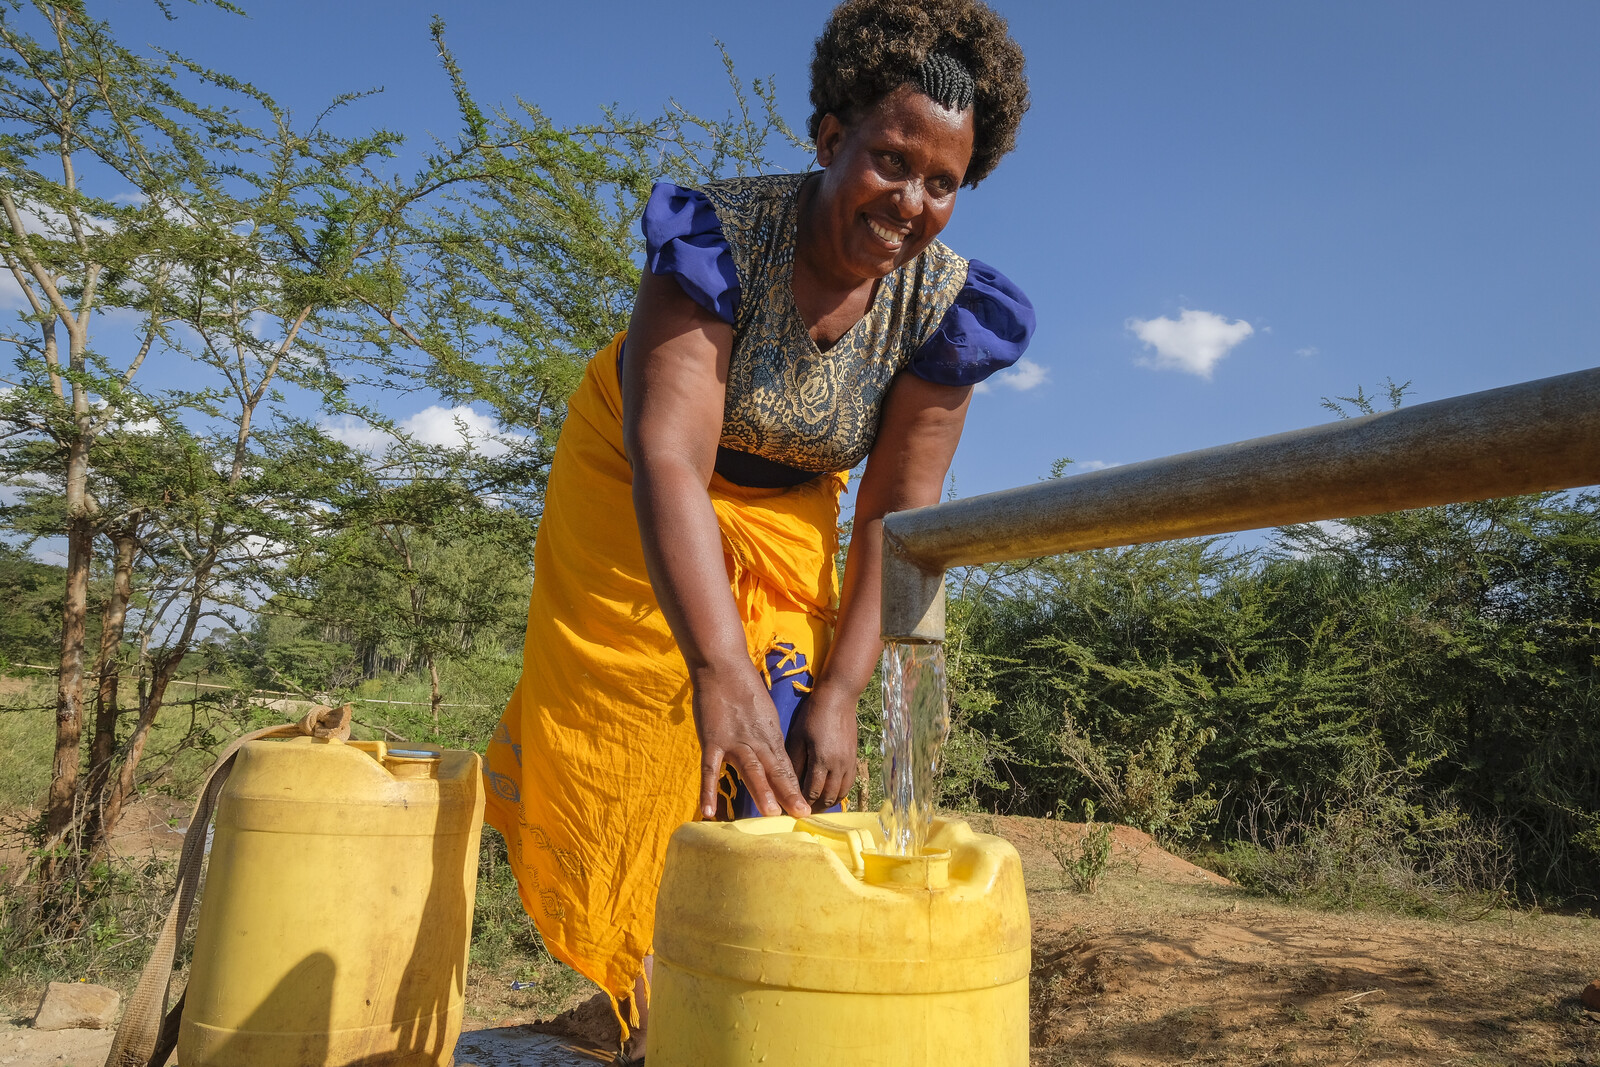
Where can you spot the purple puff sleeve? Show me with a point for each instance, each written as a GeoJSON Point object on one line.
{"type": "Point", "coordinates": [986, 330]}
{"type": "Point", "coordinates": [683, 238]}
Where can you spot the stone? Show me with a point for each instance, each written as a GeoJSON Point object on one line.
{"type": "Point", "coordinates": [77, 1006]}
{"type": "Point", "coordinates": [1591, 995]}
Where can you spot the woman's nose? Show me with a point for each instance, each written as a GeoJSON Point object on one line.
{"type": "Point", "coordinates": [908, 198]}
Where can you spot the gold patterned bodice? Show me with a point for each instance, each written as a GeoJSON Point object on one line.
{"type": "Point", "coordinates": [788, 401]}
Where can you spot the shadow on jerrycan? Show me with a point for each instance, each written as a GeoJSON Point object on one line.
{"type": "Point", "coordinates": [793, 942]}
{"type": "Point", "coordinates": [337, 911]}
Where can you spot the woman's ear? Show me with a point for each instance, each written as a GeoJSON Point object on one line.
{"type": "Point", "coordinates": [830, 133]}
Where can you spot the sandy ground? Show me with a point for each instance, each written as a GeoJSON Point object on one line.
{"type": "Point", "coordinates": [1162, 966]}
{"type": "Point", "coordinates": [26, 1047]}
{"type": "Point", "coordinates": [1165, 964]}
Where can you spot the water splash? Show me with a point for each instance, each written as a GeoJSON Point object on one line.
{"type": "Point", "coordinates": [916, 722]}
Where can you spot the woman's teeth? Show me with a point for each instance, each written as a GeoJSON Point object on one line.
{"type": "Point", "coordinates": [888, 236]}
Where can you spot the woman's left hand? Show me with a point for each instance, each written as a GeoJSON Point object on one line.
{"type": "Point", "coordinates": [822, 747]}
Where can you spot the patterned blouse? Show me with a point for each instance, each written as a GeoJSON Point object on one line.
{"type": "Point", "coordinates": [792, 410]}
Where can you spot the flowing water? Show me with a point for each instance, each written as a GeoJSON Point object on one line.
{"type": "Point", "coordinates": [916, 722]}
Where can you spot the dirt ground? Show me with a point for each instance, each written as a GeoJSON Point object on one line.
{"type": "Point", "coordinates": [1168, 964]}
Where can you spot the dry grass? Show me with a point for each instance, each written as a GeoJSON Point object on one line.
{"type": "Point", "coordinates": [1161, 967]}
{"type": "Point", "coordinates": [1168, 964]}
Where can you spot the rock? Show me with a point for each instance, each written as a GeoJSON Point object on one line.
{"type": "Point", "coordinates": [1591, 995]}
{"type": "Point", "coordinates": [76, 1006]}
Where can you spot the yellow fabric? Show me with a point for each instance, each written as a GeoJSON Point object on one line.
{"type": "Point", "coordinates": [595, 761]}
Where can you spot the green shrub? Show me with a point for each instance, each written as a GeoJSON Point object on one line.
{"type": "Point", "coordinates": [1083, 857]}
{"type": "Point", "coordinates": [1382, 841]}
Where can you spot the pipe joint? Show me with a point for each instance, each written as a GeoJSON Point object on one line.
{"type": "Point", "coordinates": [913, 595]}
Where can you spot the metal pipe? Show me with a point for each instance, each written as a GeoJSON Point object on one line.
{"type": "Point", "coordinates": [1525, 438]}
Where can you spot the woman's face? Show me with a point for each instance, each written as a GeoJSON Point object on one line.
{"type": "Point", "coordinates": [890, 182]}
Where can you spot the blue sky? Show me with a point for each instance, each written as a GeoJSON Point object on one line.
{"type": "Point", "coordinates": [1378, 189]}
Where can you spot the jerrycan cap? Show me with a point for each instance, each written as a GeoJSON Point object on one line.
{"type": "Point", "coordinates": [411, 762]}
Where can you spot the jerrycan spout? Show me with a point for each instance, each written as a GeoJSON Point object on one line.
{"type": "Point", "coordinates": [930, 870]}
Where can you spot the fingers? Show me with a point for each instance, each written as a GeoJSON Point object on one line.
{"type": "Point", "coordinates": [838, 787]}
{"type": "Point", "coordinates": [771, 782]}
{"type": "Point", "coordinates": [816, 778]}
{"type": "Point", "coordinates": [832, 789]}
{"type": "Point", "coordinates": [799, 759]}
{"type": "Point", "coordinates": [847, 779]}
{"type": "Point", "coordinates": [710, 775]}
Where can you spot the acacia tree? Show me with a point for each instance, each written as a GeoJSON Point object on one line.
{"type": "Point", "coordinates": [100, 162]}
{"type": "Point", "coordinates": [424, 562]}
{"type": "Point", "coordinates": [526, 263]}
{"type": "Point", "coordinates": [236, 250]}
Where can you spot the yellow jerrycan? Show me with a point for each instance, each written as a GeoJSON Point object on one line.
{"type": "Point", "coordinates": [793, 943]}
{"type": "Point", "coordinates": [337, 909]}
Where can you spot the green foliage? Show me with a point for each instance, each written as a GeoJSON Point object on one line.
{"type": "Point", "coordinates": [1171, 682]}
{"type": "Point", "coordinates": [1154, 787]}
{"type": "Point", "coordinates": [528, 262]}
{"type": "Point", "coordinates": [30, 631]}
{"type": "Point", "coordinates": [27, 722]}
{"type": "Point", "coordinates": [1083, 857]}
{"type": "Point", "coordinates": [1379, 840]}
{"type": "Point", "coordinates": [117, 908]}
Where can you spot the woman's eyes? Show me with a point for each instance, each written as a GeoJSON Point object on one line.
{"type": "Point", "coordinates": [894, 164]}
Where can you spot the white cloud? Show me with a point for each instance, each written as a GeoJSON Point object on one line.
{"type": "Point", "coordinates": [1085, 466]}
{"type": "Point", "coordinates": [1308, 352]}
{"type": "Point", "coordinates": [434, 425]}
{"type": "Point", "coordinates": [12, 298]}
{"type": "Point", "coordinates": [1024, 375]}
{"type": "Point", "coordinates": [1193, 342]}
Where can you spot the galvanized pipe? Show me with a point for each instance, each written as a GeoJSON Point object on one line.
{"type": "Point", "coordinates": [1523, 438]}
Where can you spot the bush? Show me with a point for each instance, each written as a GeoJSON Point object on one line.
{"type": "Point", "coordinates": [1380, 841]}
{"type": "Point", "coordinates": [1083, 858]}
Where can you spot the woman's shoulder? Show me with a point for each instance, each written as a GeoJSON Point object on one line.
{"type": "Point", "coordinates": [757, 213]}
{"type": "Point", "coordinates": [985, 326]}
{"type": "Point", "coordinates": [752, 192]}
{"type": "Point", "coordinates": [715, 236]}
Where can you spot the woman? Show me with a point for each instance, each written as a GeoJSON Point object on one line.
{"type": "Point", "coordinates": [786, 328]}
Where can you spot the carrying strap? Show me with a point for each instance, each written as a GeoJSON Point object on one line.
{"type": "Point", "coordinates": [149, 1032]}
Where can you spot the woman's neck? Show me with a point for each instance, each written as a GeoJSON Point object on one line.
{"type": "Point", "coordinates": [829, 302]}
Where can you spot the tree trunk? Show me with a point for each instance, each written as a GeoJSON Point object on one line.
{"type": "Point", "coordinates": [62, 798]}
{"type": "Point", "coordinates": [102, 747]}
{"type": "Point", "coordinates": [149, 706]}
{"type": "Point", "coordinates": [433, 682]}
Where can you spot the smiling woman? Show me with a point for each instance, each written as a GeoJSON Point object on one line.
{"type": "Point", "coordinates": [787, 327]}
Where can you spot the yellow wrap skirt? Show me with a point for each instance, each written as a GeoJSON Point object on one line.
{"type": "Point", "coordinates": [596, 761]}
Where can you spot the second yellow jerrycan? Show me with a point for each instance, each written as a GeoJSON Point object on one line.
{"type": "Point", "coordinates": [337, 909]}
{"type": "Point", "coordinates": [793, 943]}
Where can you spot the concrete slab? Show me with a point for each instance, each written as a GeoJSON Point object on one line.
{"type": "Point", "coordinates": [517, 1046]}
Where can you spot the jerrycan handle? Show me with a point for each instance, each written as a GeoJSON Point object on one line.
{"type": "Point", "coordinates": [858, 841]}
{"type": "Point", "coordinates": [149, 1032]}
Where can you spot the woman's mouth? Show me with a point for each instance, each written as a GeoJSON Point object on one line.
{"type": "Point", "coordinates": [893, 238]}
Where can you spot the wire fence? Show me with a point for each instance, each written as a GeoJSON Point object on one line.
{"type": "Point", "coordinates": [270, 694]}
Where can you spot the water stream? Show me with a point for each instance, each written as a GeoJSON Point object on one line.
{"type": "Point", "coordinates": [916, 722]}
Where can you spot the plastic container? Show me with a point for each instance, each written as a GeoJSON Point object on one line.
{"type": "Point", "coordinates": [791, 943]}
{"type": "Point", "coordinates": [337, 910]}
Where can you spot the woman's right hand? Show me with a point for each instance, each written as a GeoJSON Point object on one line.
{"type": "Point", "coordinates": [672, 393]}
{"type": "Point", "coordinates": [738, 725]}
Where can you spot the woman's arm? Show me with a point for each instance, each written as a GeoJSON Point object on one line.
{"type": "Point", "coordinates": [921, 427]}
{"type": "Point", "coordinates": [674, 379]}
